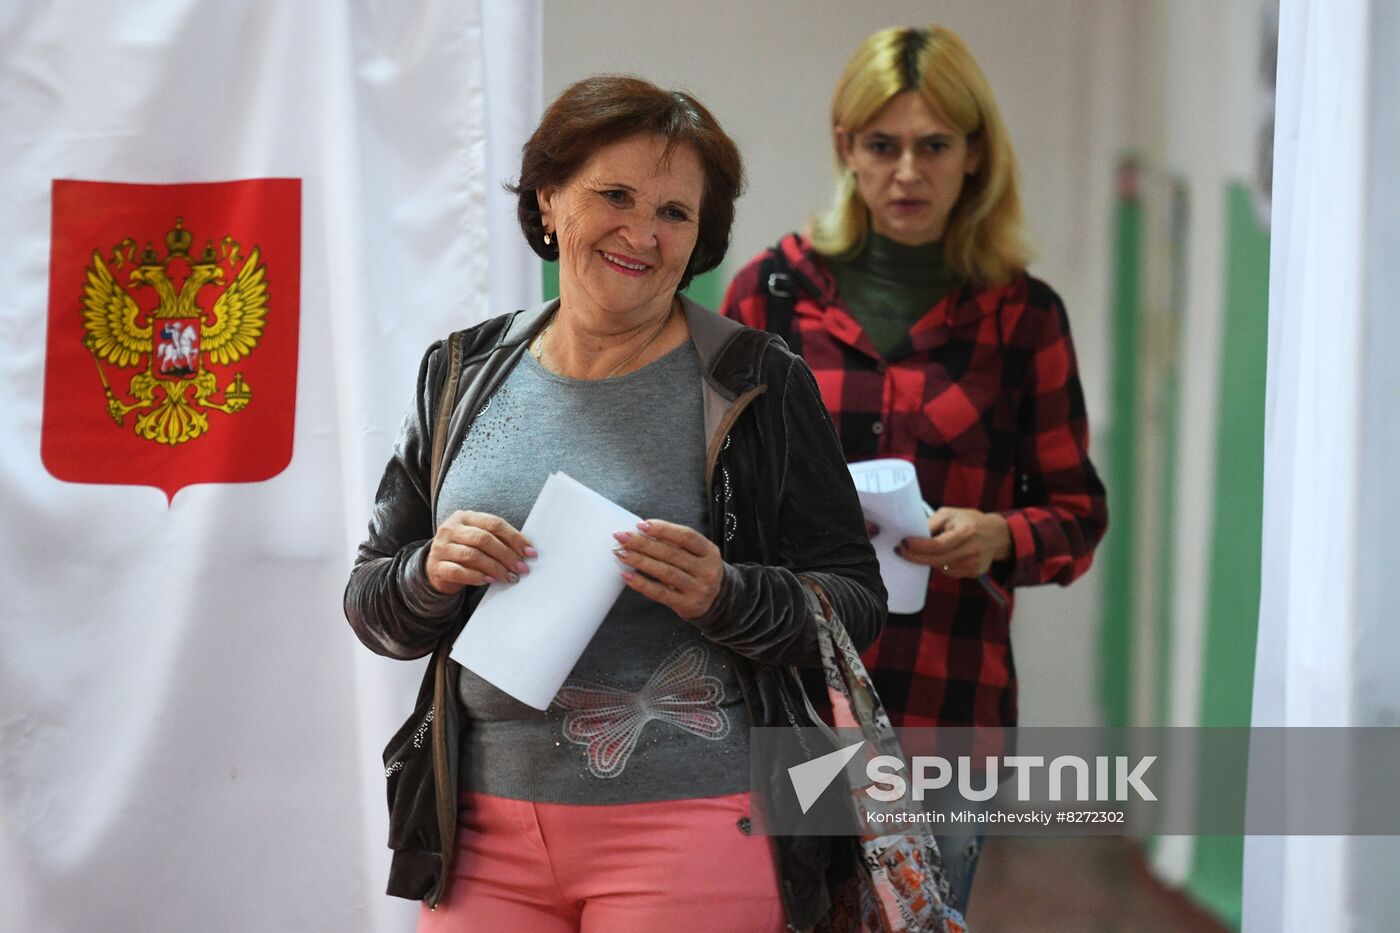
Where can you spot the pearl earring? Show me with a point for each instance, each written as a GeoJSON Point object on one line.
{"type": "Point", "coordinates": [546, 239]}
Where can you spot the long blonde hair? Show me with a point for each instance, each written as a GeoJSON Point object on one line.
{"type": "Point", "coordinates": [984, 239]}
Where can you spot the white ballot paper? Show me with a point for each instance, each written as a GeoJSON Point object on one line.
{"type": "Point", "coordinates": [526, 637]}
{"type": "Point", "coordinates": [889, 496]}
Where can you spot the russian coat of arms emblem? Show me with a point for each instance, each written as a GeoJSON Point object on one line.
{"type": "Point", "coordinates": [173, 326]}
{"type": "Point", "coordinates": [179, 345]}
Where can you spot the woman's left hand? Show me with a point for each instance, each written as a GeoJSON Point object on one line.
{"type": "Point", "coordinates": [961, 542]}
{"type": "Point", "coordinates": [673, 565]}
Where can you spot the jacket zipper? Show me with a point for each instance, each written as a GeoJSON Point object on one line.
{"type": "Point", "coordinates": [735, 410]}
{"type": "Point", "coordinates": [731, 416]}
{"type": "Point", "coordinates": [445, 800]}
{"type": "Point", "coordinates": [717, 529]}
{"type": "Point", "coordinates": [445, 812]}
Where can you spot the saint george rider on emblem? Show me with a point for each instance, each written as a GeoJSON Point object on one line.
{"type": "Point", "coordinates": [177, 348]}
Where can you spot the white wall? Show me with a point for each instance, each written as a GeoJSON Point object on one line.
{"type": "Point", "coordinates": [1064, 73]}
{"type": "Point", "coordinates": [1207, 101]}
{"type": "Point", "coordinates": [1204, 88]}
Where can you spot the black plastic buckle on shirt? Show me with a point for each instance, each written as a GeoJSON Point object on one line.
{"type": "Point", "coordinates": [780, 284]}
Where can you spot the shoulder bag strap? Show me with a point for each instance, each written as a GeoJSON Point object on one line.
{"type": "Point", "coordinates": [447, 401]}
{"type": "Point", "coordinates": [776, 275]}
{"type": "Point", "coordinates": [445, 795]}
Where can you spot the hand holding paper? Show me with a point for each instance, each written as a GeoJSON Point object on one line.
{"type": "Point", "coordinates": [679, 567]}
{"type": "Point", "coordinates": [889, 496]}
{"type": "Point", "coordinates": [526, 637]}
{"type": "Point", "coordinates": [475, 548]}
{"type": "Point", "coordinates": [961, 542]}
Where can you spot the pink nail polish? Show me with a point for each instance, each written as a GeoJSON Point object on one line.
{"type": "Point", "coordinates": [621, 537]}
{"type": "Point", "coordinates": [531, 552]}
{"type": "Point", "coordinates": [644, 526]}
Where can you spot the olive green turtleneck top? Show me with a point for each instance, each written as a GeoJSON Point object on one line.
{"type": "Point", "coordinates": [888, 287]}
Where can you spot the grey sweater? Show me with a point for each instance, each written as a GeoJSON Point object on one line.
{"type": "Point", "coordinates": [652, 710]}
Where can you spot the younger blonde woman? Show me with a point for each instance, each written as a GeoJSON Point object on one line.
{"type": "Point", "coordinates": [909, 299]}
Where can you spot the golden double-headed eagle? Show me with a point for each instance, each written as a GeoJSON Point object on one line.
{"type": "Point", "coordinates": [174, 390]}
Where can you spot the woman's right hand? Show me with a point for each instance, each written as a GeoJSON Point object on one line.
{"type": "Point", "coordinates": [476, 548]}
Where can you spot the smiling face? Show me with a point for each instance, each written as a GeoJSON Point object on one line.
{"type": "Point", "coordinates": [909, 166]}
{"type": "Point", "coordinates": [627, 223]}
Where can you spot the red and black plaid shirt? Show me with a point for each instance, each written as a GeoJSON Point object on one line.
{"type": "Point", "coordinates": [985, 401]}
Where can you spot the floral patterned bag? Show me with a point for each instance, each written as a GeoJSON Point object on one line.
{"type": "Point", "coordinates": [900, 885]}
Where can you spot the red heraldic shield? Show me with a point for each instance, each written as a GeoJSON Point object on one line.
{"type": "Point", "coordinates": [173, 324]}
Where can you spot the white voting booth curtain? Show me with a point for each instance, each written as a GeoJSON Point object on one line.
{"type": "Point", "coordinates": [189, 732]}
{"type": "Point", "coordinates": [1329, 644]}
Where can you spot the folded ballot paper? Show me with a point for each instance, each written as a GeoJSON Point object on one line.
{"type": "Point", "coordinates": [889, 496]}
{"type": "Point", "coordinates": [526, 637]}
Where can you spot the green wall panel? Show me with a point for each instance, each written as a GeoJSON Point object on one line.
{"type": "Point", "coordinates": [1120, 466]}
{"type": "Point", "coordinates": [1233, 598]}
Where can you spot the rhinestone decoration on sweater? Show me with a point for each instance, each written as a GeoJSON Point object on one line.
{"type": "Point", "coordinates": [609, 721]}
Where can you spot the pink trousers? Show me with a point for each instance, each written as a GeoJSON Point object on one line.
{"type": "Point", "coordinates": [681, 866]}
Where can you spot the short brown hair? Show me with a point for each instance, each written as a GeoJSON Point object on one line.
{"type": "Point", "coordinates": [604, 109]}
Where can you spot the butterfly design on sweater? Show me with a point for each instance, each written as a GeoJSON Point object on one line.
{"type": "Point", "coordinates": [610, 721]}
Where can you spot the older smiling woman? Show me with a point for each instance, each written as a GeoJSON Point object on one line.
{"type": "Point", "coordinates": [625, 805]}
